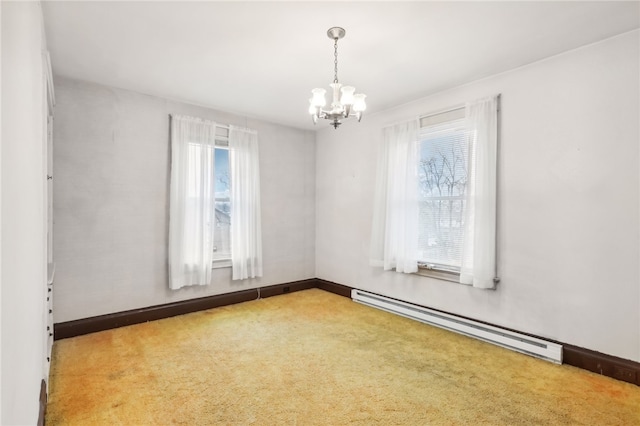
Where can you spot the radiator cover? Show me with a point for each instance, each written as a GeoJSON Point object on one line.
{"type": "Point", "coordinates": [533, 346]}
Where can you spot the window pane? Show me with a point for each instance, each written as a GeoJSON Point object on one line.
{"type": "Point", "coordinates": [222, 173]}
{"type": "Point", "coordinates": [222, 233]}
{"type": "Point", "coordinates": [441, 231]}
{"type": "Point", "coordinates": [442, 174]}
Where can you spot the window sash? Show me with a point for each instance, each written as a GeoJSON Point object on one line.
{"type": "Point", "coordinates": [443, 140]}
{"type": "Point", "coordinates": [222, 243]}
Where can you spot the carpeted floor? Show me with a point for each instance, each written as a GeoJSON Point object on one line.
{"type": "Point", "coordinates": [312, 357]}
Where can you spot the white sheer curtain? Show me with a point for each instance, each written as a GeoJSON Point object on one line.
{"type": "Point", "coordinates": [192, 201]}
{"type": "Point", "coordinates": [395, 221]}
{"type": "Point", "coordinates": [479, 249]}
{"type": "Point", "coordinates": [246, 229]}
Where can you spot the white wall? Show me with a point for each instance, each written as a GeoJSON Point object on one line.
{"type": "Point", "coordinates": [1, 404]}
{"type": "Point", "coordinates": [111, 181]}
{"type": "Point", "coordinates": [23, 214]}
{"type": "Point", "coordinates": [568, 209]}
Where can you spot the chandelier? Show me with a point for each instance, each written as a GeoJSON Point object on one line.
{"type": "Point", "coordinates": [345, 102]}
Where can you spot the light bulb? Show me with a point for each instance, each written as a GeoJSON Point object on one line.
{"type": "Point", "coordinates": [318, 99]}
{"type": "Point", "coordinates": [347, 95]}
{"type": "Point", "coordinates": [359, 104]}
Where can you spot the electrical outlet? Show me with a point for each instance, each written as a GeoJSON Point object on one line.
{"type": "Point", "coordinates": [624, 374]}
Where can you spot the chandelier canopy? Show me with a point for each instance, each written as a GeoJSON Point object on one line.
{"type": "Point", "coordinates": [345, 102]}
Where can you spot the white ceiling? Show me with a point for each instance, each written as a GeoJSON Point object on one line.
{"type": "Point", "coordinates": [261, 59]}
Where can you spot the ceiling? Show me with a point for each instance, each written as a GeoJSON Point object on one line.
{"type": "Point", "coordinates": [261, 59]}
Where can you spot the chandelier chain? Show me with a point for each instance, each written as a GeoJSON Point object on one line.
{"type": "Point", "coordinates": [335, 61]}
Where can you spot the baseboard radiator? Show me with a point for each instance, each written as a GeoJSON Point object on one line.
{"type": "Point", "coordinates": [508, 339]}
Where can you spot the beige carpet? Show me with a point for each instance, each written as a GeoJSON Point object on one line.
{"type": "Point", "coordinates": [312, 357]}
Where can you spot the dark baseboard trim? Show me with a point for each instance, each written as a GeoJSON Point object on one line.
{"type": "Point", "coordinates": [42, 412]}
{"type": "Point", "coordinates": [339, 289]}
{"type": "Point", "coordinates": [276, 290]}
{"type": "Point", "coordinates": [79, 327]}
{"type": "Point", "coordinates": [607, 365]}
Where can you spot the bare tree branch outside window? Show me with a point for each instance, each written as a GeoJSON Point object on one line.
{"type": "Point", "coordinates": [442, 178]}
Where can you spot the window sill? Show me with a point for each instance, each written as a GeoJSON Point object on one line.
{"type": "Point", "coordinates": [440, 274]}
{"type": "Point", "coordinates": [221, 263]}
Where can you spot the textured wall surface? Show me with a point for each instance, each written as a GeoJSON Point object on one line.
{"type": "Point", "coordinates": [568, 201]}
{"type": "Point", "coordinates": [111, 186]}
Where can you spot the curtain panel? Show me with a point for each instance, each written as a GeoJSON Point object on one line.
{"type": "Point", "coordinates": [395, 221]}
{"type": "Point", "coordinates": [246, 228]}
{"type": "Point", "coordinates": [191, 201]}
{"type": "Point", "coordinates": [479, 247]}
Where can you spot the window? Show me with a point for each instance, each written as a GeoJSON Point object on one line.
{"type": "Point", "coordinates": [435, 199]}
{"type": "Point", "coordinates": [222, 214]}
{"type": "Point", "coordinates": [214, 202]}
{"type": "Point", "coordinates": [222, 233]}
{"type": "Point", "coordinates": [443, 158]}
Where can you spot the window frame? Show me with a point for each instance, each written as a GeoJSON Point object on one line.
{"type": "Point", "coordinates": [428, 269]}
